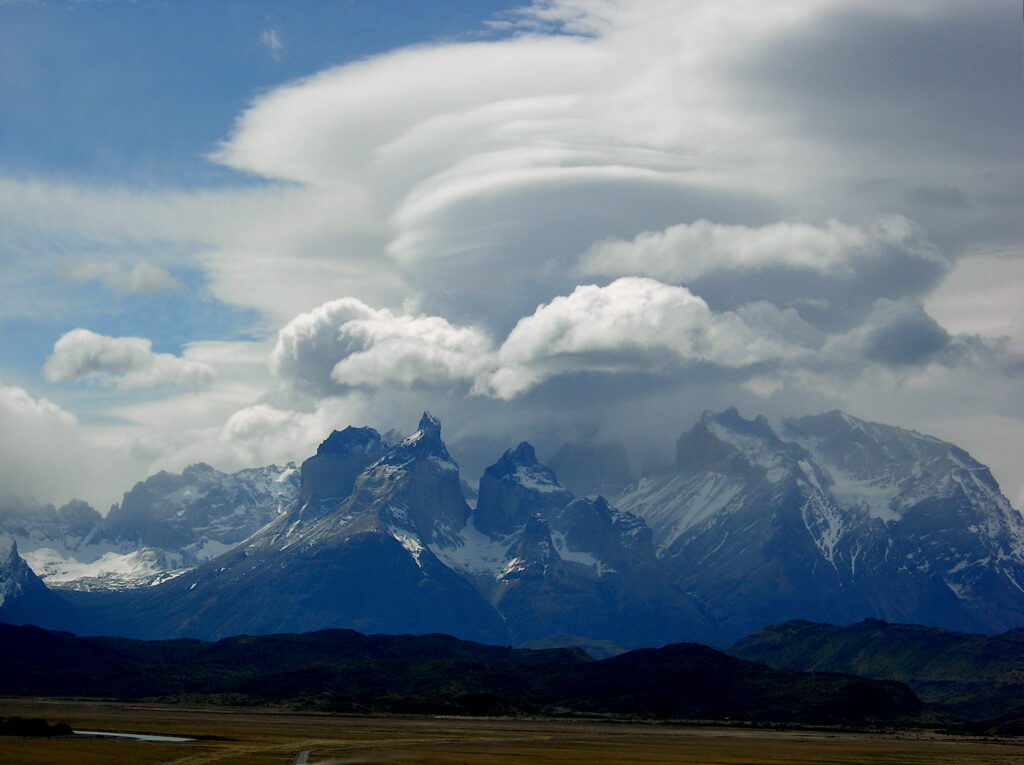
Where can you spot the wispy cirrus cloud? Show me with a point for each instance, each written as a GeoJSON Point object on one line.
{"type": "Point", "coordinates": [136, 279]}
{"type": "Point", "coordinates": [271, 40]}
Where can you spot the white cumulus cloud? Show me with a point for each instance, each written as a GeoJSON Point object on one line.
{"type": "Point", "coordinates": [126, 362]}
{"type": "Point", "coordinates": [633, 324]}
{"type": "Point", "coordinates": [345, 343]}
{"type": "Point", "coordinates": [45, 453]}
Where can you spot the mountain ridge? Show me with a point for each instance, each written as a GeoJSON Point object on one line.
{"type": "Point", "coordinates": [746, 528]}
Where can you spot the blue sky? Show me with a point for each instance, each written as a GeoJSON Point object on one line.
{"type": "Point", "coordinates": [229, 227]}
{"type": "Point", "coordinates": [140, 92]}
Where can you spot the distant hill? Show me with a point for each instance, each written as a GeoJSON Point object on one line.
{"type": "Point", "coordinates": [345, 671]}
{"type": "Point", "coordinates": [975, 677]}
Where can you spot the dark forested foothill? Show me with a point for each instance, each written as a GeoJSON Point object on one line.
{"type": "Point", "coordinates": [345, 671]}
{"type": "Point", "coordinates": [972, 676]}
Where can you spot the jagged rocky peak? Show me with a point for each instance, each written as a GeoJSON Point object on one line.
{"type": "Point", "coordinates": [80, 517]}
{"type": "Point", "coordinates": [416, 484]}
{"type": "Point", "coordinates": [10, 570]}
{"type": "Point", "coordinates": [332, 471]}
{"type": "Point", "coordinates": [426, 441]}
{"type": "Point", "coordinates": [887, 469]}
{"type": "Point", "coordinates": [36, 524]}
{"type": "Point", "coordinates": [16, 578]}
{"type": "Point", "coordinates": [193, 515]}
{"type": "Point", "coordinates": [514, 488]}
{"type": "Point", "coordinates": [422, 446]}
{"type": "Point", "coordinates": [615, 539]}
{"type": "Point", "coordinates": [350, 440]}
{"type": "Point", "coordinates": [589, 468]}
{"type": "Point", "coordinates": [520, 466]}
{"type": "Point", "coordinates": [8, 549]}
{"type": "Point", "coordinates": [200, 472]}
{"type": "Point", "coordinates": [533, 549]}
{"type": "Point", "coordinates": [429, 425]}
{"type": "Point", "coordinates": [424, 450]}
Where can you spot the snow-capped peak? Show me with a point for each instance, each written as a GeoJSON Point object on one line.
{"type": "Point", "coordinates": [428, 429]}
{"type": "Point", "coordinates": [520, 466]}
{"type": "Point", "coordinates": [728, 444]}
{"type": "Point", "coordinates": [886, 469]}
{"type": "Point", "coordinates": [424, 444]}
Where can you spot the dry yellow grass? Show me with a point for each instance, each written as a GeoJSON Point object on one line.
{"type": "Point", "coordinates": [255, 737]}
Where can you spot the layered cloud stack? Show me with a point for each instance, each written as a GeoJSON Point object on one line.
{"type": "Point", "coordinates": [697, 204]}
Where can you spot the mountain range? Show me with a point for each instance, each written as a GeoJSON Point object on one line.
{"type": "Point", "coordinates": [830, 519]}
{"type": "Point", "coordinates": [163, 525]}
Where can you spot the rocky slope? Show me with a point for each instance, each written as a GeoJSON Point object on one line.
{"type": "Point", "coordinates": [551, 563]}
{"type": "Point", "coordinates": [840, 521]}
{"type": "Point", "coordinates": [164, 525]}
{"type": "Point", "coordinates": [923, 508]}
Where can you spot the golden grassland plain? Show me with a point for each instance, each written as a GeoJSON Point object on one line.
{"type": "Point", "coordinates": [257, 736]}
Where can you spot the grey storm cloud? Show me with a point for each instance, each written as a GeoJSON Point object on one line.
{"type": "Point", "coordinates": [903, 335]}
{"type": "Point", "coordinates": [900, 333]}
{"type": "Point", "coordinates": [921, 101]}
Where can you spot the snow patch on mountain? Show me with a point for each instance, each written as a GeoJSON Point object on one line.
{"type": "Point", "coordinates": [409, 542]}
{"type": "Point", "coordinates": [873, 496]}
{"type": "Point", "coordinates": [476, 553]}
{"type": "Point", "coordinates": [112, 571]}
{"type": "Point", "coordinates": [825, 523]}
{"type": "Point", "coordinates": [754, 448]}
{"type": "Point", "coordinates": [672, 504]}
{"type": "Point", "coordinates": [537, 478]}
{"type": "Point", "coordinates": [165, 524]}
{"type": "Point", "coordinates": [578, 556]}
